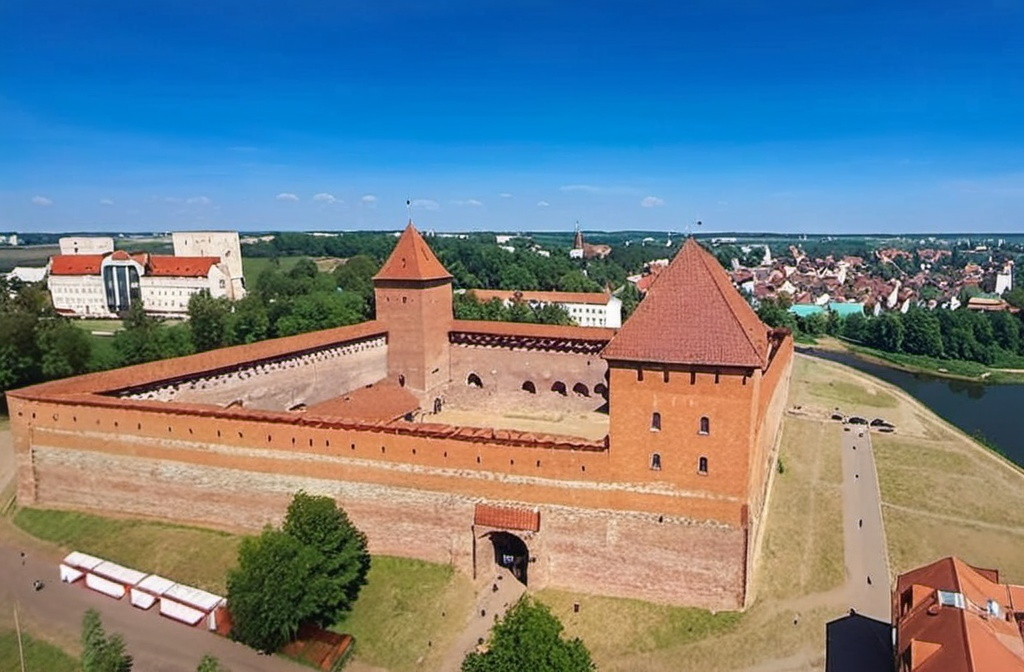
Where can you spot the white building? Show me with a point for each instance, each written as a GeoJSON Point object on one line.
{"type": "Point", "coordinates": [104, 285]}
{"type": "Point", "coordinates": [221, 244]}
{"type": "Point", "coordinates": [86, 245]}
{"type": "Point", "coordinates": [27, 274]}
{"type": "Point", "coordinates": [1004, 278]}
{"type": "Point", "coordinates": [587, 309]}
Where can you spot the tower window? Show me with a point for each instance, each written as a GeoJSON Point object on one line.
{"type": "Point", "coordinates": [705, 425]}
{"type": "Point", "coordinates": [702, 465]}
{"type": "Point", "coordinates": [655, 422]}
{"type": "Point", "coordinates": [656, 461]}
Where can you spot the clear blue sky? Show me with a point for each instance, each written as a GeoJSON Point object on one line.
{"type": "Point", "coordinates": [824, 116]}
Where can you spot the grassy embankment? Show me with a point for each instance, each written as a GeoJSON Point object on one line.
{"type": "Point", "coordinates": [398, 612]}
{"type": "Point", "coordinates": [1012, 372]}
{"type": "Point", "coordinates": [942, 494]}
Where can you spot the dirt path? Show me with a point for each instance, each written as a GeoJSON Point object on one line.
{"type": "Point", "coordinates": [491, 605]}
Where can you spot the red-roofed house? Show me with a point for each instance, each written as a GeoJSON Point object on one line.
{"type": "Point", "coordinates": [587, 309]}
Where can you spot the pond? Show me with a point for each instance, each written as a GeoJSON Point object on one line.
{"type": "Point", "coordinates": [988, 411]}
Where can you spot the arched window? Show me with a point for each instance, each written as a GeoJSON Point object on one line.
{"type": "Point", "coordinates": [558, 387]}
{"type": "Point", "coordinates": [473, 380]}
{"type": "Point", "coordinates": [655, 422]}
{"type": "Point", "coordinates": [581, 390]}
{"type": "Point", "coordinates": [528, 386]}
{"type": "Point", "coordinates": [702, 465]}
{"type": "Point", "coordinates": [656, 461]}
{"type": "Point", "coordinates": [705, 425]}
{"type": "Point", "coordinates": [601, 390]}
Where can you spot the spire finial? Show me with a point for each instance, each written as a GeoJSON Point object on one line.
{"type": "Point", "coordinates": [408, 208]}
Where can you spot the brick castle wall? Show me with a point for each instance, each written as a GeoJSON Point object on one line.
{"type": "Point", "coordinates": [507, 369]}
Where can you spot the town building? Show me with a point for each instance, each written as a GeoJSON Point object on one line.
{"type": "Point", "coordinates": [584, 250]}
{"type": "Point", "coordinates": [587, 309]}
{"type": "Point", "coordinates": [104, 284]}
{"type": "Point", "coordinates": [632, 462]}
{"type": "Point", "coordinates": [952, 617]}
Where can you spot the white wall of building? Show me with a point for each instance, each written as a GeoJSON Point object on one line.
{"type": "Point", "coordinates": [86, 245]}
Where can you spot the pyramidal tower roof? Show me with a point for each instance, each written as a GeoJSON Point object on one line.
{"type": "Point", "coordinates": [692, 314]}
{"type": "Point", "coordinates": [412, 259]}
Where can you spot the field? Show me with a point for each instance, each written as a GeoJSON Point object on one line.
{"type": "Point", "coordinates": [34, 255]}
{"type": "Point", "coordinates": [39, 656]}
{"type": "Point", "coordinates": [253, 266]}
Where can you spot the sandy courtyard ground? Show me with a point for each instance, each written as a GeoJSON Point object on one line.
{"type": "Point", "coordinates": [544, 412]}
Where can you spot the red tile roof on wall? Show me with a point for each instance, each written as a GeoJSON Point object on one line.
{"type": "Point", "coordinates": [75, 264]}
{"type": "Point", "coordinates": [692, 315]}
{"type": "Point", "coordinates": [592, 298]}
{"type": "Point", "coordinates": [380, 402]}
{"type": "Point", "coordinates": [412, 259]}
{"type": "Point", "coordinates": [530, 330]}
{"type": "Point", "coordinates": [180, 267]}
{"type": "Point", "coordinates": [941, 638]}
{"type": "Point", "coordinates": [506, 518]}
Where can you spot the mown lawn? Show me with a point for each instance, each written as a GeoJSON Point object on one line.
{"type": "Point", "coordinates": [39, 656]}
{"type": "Point", "coordinates": [408, 610]}
{"type": "Point", "coordinates": [253, 266]}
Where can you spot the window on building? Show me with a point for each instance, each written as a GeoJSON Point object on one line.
{"type": "Point", "coordinates": [702, 465]}
{"type": "Point", "coordinates": [656, 461]}
{"type": "Point", "coordinates": [705, 425]}
{"type": "Point", "coordinates": [655, 422]}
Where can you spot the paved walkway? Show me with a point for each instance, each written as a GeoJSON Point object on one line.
{"type": "Point", "coordinates": [491, 605]}
{"type": "Point", "coordinates": [867, 561]}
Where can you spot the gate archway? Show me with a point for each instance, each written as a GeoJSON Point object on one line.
{"type": "Point", "coordinates": [511, 552]}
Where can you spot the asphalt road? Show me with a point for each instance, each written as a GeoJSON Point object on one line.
{"type": "Point", "coordinates": [866, 557]}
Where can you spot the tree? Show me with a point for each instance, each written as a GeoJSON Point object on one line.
{"type": "Point", "coordinates": [309, 572]}
{"type": "Point", "coordinates": [576, 281]}
{"type": "Point", "coordinates": [99, 652]}
{"type": "Point", "coordinates": [529, 637]}
{"type": "Point", "coordinates": [923, 333]}
{"type": "Point", "coordinates": [208, 321]}
{"type": "Point", "coordinates": [1015, 297]}
{"type": "Point", "coordinates": [64, 349]}
{"type": "Point", "coordinates": [272, 590]}
{"type": "Point", "coordinates": [210, 664]}
{"type": "Point", "coordinates": [343, 561]}
{"type": "Point", "coordinates": [138, 341]}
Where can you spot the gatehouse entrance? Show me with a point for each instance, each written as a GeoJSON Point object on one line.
{"type": "Point", "coordinates": [511, 552]}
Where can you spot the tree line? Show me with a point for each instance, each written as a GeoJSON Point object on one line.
{"type": "Point", "coordinates": [990, 338]}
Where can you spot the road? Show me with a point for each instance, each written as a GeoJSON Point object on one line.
{"type": "Point", "coordinates": [866, 557]}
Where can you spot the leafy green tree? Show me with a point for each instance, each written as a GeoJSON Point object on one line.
{"type": "Point", "coordinates": [343, 561]}
{"type": "Point", "coordinates": [99, 652]}
{"type": "Point", "coordinates": [208, 321]}
{"type": "Point", "coordinates": [272, 591]}
{"type": "Point", "coordinates": [923, 333]}
{"type": "Point", "coordinates": [138, 341]}
{"type": "Point", "coordinates": [210, 664]}
{"type": "Point", "coordinates": [321, 310]}
{"type": "Point", "coordinates": [518, 277]}
{"type": "Point", "coordinates": [1015, 297]}
{"type": "Point", "coordinates": [886, 332]}
{"type": "Point", "coordinates": [356, 275]}
{"type": "Point", "coordinates": [575, 281]}
{"type": "Point", "coordinates": [529, 637]}
{"type": "Point", "coordinates": [855, 327]}
{"type": "Point", "coordinates": [304, 268]}
{"type": "Point", "coordinates": [249, 322]}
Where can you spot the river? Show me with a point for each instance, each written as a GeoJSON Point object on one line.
{"type": "Point", "coordinates": [989, 410]}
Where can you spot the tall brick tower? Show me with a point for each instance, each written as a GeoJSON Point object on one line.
{"type": "Point", "coordinates": [413, 291]}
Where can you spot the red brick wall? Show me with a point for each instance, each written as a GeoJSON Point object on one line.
{"type": "Point", "coordinates": [418, 317]}
{"type": "Point", "coordinates": [508, 369]}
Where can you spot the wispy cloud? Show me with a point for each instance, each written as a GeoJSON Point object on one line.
{"type": "Point", "coordinates": [198, 200]}
{"type": "Point", "coordinates": [472, 202]}
{"type": "Point", "coordinates": [106, 201]}
{"type": "Point", "coordinates": [41, 201]}
{"type": "Point", "coordinates": [505, 194]}
{"type": "Point", "coordinates": [651, 202]}
{"type": "Point", "coordinates": [426, 204]}
{"type": "Point", "coordinates": [286, 196]}
{"type": "Point", "coordinates": [324, 197]}
{"type": "Point", "coordinates": [542, 204]}
{"type": "Point", "coordinates": [369, 200]}
{"type": "Point", "coordinates": [587, 188]}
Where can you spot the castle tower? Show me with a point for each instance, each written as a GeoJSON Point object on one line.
{"type": "Point", "coordinates": [685, 376]}
{"type": "Point", "coordinates": [413, 292]}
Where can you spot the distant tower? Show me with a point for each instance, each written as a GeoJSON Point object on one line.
{"type": "Point", "coordinates": [577, 244]}
{"type": "Point", "coordinates": [413, 292]}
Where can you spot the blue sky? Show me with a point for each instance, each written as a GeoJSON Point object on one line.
{"type": "Point", "coordinates": [827, 116]}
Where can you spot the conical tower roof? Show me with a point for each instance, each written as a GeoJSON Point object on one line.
{"type": "Point", "coordinates": [412, 259]}
{"type": "Point", "coordinates": [692, 314]}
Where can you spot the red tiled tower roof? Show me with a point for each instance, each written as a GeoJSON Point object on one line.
{"type": "Point", "coordinates": [692, 315]}
{"type": "Point", "coordinates": [412, 259]}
